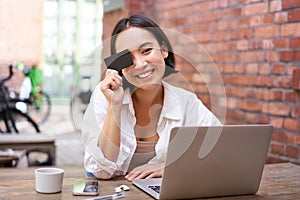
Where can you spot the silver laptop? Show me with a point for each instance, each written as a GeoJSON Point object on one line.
{"type": "Point", "coordinates": [211, 161]}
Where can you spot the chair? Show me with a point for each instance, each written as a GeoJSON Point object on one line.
{"type": "Point", "coordinates": [38, 157]}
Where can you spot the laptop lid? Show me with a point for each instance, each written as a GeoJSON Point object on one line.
{"type": "Point", "coordinates": [214, 161]}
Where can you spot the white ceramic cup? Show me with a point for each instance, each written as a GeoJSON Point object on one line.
{"type": "Point", "coordinates": [49, 180]}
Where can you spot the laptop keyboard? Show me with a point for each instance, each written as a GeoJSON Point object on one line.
{"type": "Point", "coordinates": [156, 188]}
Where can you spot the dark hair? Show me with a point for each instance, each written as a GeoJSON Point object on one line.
{"type": "Point", "coordinates": [149, 25]}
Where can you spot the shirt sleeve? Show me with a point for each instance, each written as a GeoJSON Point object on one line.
{"type": "Point", "coordinates": [197, 114]}
{"type": "Point", "coordinates": [94, 160]}
{"type": "Point", "coordinates": [205, 116]}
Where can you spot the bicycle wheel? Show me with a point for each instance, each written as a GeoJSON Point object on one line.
{"type": "Point", "coordinates": [18, 122]}
{"type": "Point", "coordinates": [79, 103]}
{"type": "Point", "coordinates": [40, 107]}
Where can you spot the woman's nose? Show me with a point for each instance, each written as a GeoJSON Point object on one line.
{"type": "Point", "coordinates": [139, 61]}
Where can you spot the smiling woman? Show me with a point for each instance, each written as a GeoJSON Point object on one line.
{"type": "Point", "coordinates": [126, 129]}
{"type": "Point", "coordinates": [147, 55]}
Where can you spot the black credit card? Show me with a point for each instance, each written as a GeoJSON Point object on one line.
{"type": "Point", "coordinates": [119, 60]}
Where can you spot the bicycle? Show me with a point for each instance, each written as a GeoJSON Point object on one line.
{"type": "Point", "coordinates": [11, 118]}
{"type": "Point", "coordinates": [39, 106]}
{"type": "Point", "coordinates": [80, 101]}
{"type": "Point", "coordinates": [87, 77]}
{"type": "Point", "coordinates": [38, 102]}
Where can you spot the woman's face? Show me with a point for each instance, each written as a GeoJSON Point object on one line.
{"type": "Point", "coordinates": [148, 57]}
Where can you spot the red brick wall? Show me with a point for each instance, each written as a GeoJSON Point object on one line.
{"type": "Point", "coordinates": [20, 34]}
{"type": "Point", "coordinates": [141, 7]}
{"type": "Point", "coordinates": [256, 46]}
{"type": "Point", "coordinates": [109, 21]}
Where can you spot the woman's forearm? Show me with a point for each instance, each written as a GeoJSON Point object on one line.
{"type": "Point", "coordinates": [109, 140]}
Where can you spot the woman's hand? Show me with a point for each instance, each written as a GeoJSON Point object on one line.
{"type": "Point", "coordinates": [146, 171]}
{"type": "Point", "coordinates": [111, 87]}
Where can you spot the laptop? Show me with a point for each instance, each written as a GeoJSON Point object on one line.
{"type": "Point", "coordinates": [215, 161]}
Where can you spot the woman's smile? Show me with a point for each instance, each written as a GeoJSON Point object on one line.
{"type": "Point", "coordinates": [145, 74]}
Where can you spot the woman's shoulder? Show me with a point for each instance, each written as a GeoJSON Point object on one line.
{"type": "Point", "coordinates": [181, 92]}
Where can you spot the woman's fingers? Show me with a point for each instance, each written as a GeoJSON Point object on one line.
{"type": "Point", "coordinates": [145, 171]}
{"type": "Point", "coordinates": [139, 175]}
{"type": "Point", "coordinates": [134, 173]}
{"type": "Point", "coordinates": [156, 174]}
{"type": "Point", "coordinates": [111, 86]}
{"type": "Point", "coordinates": [112, 80]}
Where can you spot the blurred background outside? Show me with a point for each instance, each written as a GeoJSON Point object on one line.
{"type": "Point", "coordinates": [255, 45]}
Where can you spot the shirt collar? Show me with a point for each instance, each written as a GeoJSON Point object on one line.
{"type": "Point", "coordinates": [171, 107]}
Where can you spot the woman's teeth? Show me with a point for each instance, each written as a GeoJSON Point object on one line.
{"type": "Point", "coordinates": [146, 74]}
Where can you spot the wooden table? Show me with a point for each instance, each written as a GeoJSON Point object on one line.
{"type": "Point", "coordinates": [280, 181]}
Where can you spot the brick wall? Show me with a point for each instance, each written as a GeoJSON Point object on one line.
{"type": "Point", "coordinates": [141, 7]}
{"type": "Point", "coordinates": [20, 34]}
{"type": "Point", "coordinates": [109, 21]}
{"type": "Point", "coordinates": [256, 47]}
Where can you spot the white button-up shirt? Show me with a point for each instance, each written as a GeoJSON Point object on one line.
{"type": "Point", "coordinates": [180, 108]}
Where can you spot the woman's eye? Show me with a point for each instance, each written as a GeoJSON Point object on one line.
{"type": "Point", "coordinates": [146, 51]}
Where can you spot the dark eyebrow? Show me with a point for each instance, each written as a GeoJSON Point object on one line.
{"type": "Point", "coordinates": [145, 44]}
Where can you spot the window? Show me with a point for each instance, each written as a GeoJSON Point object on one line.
{"type": "Point", "coordinates": [72, 30]}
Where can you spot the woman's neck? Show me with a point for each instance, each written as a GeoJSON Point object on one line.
{"type": "Point", "coordinates": [148, 97]}
{"type": "Point", "coordinates": [147, 105]}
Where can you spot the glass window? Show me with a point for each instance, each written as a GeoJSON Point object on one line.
{"type": "Point", "coordinates": [72, 31]}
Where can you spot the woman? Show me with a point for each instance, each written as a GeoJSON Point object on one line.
{"type": "Point", "coordinates": [127, 124]}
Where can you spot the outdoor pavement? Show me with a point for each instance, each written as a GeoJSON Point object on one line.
{"type": "Point", "coordinates": [69, 148]}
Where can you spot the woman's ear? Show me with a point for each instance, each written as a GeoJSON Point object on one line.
{"type": "Point", "coordinates": [164, 50]}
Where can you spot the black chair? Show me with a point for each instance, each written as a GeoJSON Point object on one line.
{"type": "Point", "coordinates": [38, 157]}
